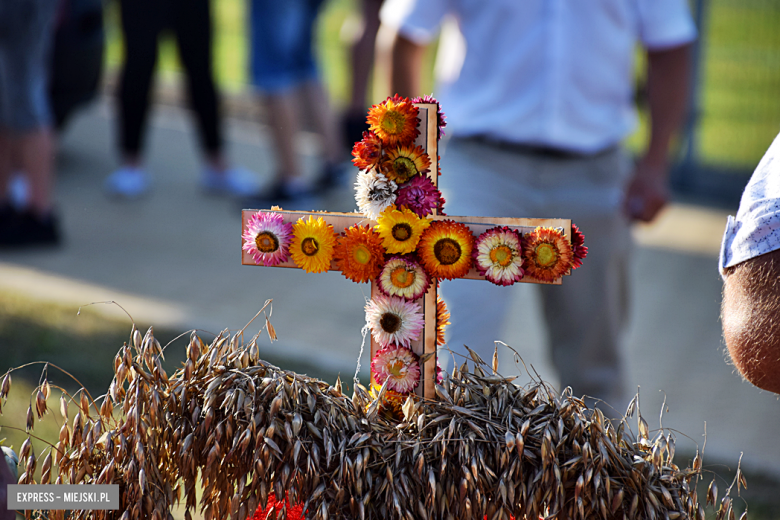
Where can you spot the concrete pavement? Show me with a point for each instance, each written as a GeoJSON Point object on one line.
{"type": "Point", "coordinates": [173, 259]}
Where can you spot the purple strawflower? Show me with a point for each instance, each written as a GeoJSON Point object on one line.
{"type": "Point", "coordinates": [420, 196]}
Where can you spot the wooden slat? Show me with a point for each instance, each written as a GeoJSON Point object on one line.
{"type": "Point", "coordinates": [478, 225]}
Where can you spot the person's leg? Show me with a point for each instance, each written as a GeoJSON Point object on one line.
{"type": "Point", "coordinates": [141, 25]}
{"type": "Point", "coordinates": [6, 167]}
{"type": "Point", "coordinates": [324, 121]}
{"type": "Point", "coordinates": [283, 119]}
{"type": "Point", "coordinates": [587, 315]}
{"type": "Point", "coordinates": [193, 29]}
{"type": "Point", "coordinates": [278, 35]}
{"type": "Point", "coordinates": [362, 61]}
{"type": "Point", "coordinates": [36, 159]}
{"type": "Point", "coordinates": [27, 135]}
{"type": "Point", "coordinates": [506, 188]}
{"type": "Point", "coordinates": [142, 22]}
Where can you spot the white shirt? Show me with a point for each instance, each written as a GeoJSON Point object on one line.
{"type": "Point", "coordinates": [756, 230]}
{"type": "Point", "coordinates": [556, 73]}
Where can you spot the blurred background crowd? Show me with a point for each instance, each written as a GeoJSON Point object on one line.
{"type": "Point", "coordinates": [213, 59]}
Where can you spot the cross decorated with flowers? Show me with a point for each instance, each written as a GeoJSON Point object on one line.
{"type": "Point", "coordinates": [403, 244]}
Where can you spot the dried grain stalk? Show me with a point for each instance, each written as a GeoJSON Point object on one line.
{"type": "Point", "coordinates": [242, 429]}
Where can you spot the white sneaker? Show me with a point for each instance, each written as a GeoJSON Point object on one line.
{"type": "Point", "coordinates": [237, 182]}
{"type": "Point", "coordinates": [128, 182]}
{"type": "Point", "coordinates": [19, 190]}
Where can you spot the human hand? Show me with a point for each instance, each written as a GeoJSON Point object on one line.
{"type": "Point", "coordinates": [647, 192]}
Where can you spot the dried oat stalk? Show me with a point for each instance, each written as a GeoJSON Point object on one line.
{"type": "Point", "coordinates": [242, 429]}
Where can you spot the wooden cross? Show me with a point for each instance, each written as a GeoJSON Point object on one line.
{"type": "Point", "coordinates": [426, 343]}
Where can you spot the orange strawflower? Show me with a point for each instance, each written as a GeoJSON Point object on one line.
{"type": "Point", "coordinates": [445, 249]}
{"type": "Point", "coordinates": [394, 121]}
{"type": "Point", "coordinates": [547, 253]}
{"type": "Point", "coordinates": [359, 254]}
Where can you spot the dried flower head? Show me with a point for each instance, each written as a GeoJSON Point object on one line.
{"type": "Point", "coordinates": [403, 276]}
{"type": "Point", "coordinates": [374, 193]}
{"type": "Point", "coordinates": [420, 196]}
{"type": "Point", "coordinates": [394, 121]}
{"type": "Point", "coordinates": [397, 365]}
{"type": "Point", "coordinates": [400, 229]}
{"type": "Point", "coordinates": [267, 238]}
{"type": "Point", "coordinates": [312, 244]}
{"type": "Point", "coordinates": [578, 248]}
{"type": "Point", "coordinates": [367, 152]}
{"type": "Point", "coordinates": [359, 254]}
{"type": "Point", "coordinates": [498, 255]}
{"type": "Point", "coordinates": [445, 249]}
{"type": "Point", "coordinates": [547, 254]}
{"type": "Point", "coordinates": [394, 320]}
{"type": "Point", "coordinates": [402, 163]}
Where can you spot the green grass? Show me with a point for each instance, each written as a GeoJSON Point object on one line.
{"type": "Point", "coordinates": [741, 81]}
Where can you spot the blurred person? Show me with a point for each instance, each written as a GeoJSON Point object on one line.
{"type": "Point", "coordinates": [143, 21]}
{"type": "Point", "coordinates": [536, 116]}
{"type": "Point", "coordinates": [284, 71]}
{"type": "Point", "coordinates": [362, 54]}
{"type": "Point", "coordinates": [8, 463]}
{"type": "Point", "coordinates": [750, 267]}
{"type": "Point", "coordinates": [26, 140]}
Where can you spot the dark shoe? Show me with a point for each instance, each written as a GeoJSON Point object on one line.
{"type": "Point", "coordinates": [353, 126]}
{"type": "Point", "coordinates": [25, 229]}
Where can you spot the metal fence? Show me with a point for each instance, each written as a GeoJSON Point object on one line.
{"type": "Point", "coordinates": [736, 96]}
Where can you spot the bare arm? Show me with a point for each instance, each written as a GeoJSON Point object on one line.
{"type": "Point", "coordinates": [667, 84]}
{"type": "Point", "coordinates": [406, 66]}
{"type": "Point", "coordinates": [750, 315]}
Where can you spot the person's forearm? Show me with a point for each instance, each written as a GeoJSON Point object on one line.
{"type": "Point", "coordinates": [668, 86]}
{"type": "Point", "coordinates": [406, 67]}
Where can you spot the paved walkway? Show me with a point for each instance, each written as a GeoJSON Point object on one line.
{"type": "Point", "coordinates": [173, 259]}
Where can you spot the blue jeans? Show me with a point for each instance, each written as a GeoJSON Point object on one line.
{"type": "Point", "coordinates": [282, 34]}
{"type": "Point", "coordinates": [26, 33]}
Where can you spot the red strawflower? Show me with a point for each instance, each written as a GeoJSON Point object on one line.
{"type": "Point", "coordinates": [293, 512]}
{"type": "Point", "coordinates": [366, 153]}
{"type": "Point", "coordinates": [578, 249]}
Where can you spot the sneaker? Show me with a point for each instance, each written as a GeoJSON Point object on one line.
{"type": "Point", "coordinates": [19, 190]}
{"type": "Point", "coordinates": [128, 182]}
{"type": "Point", "coordinates": [353, 126]}
{"type": "Point", "coordinates": [28, 229]}
{"type": "Point", "coordinates": [237, 182]}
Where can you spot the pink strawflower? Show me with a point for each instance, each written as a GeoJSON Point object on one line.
{"type": "Point", "coordinates": [267, 238]}
{"type": "Point", "coordinates": [498, 255]}
{"type": "Point", "coordinates": [420, 196]}
{"type": "Point", "coordinates": [403, 276]}
{"type": "Point", "coordinates": [397, 365]}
